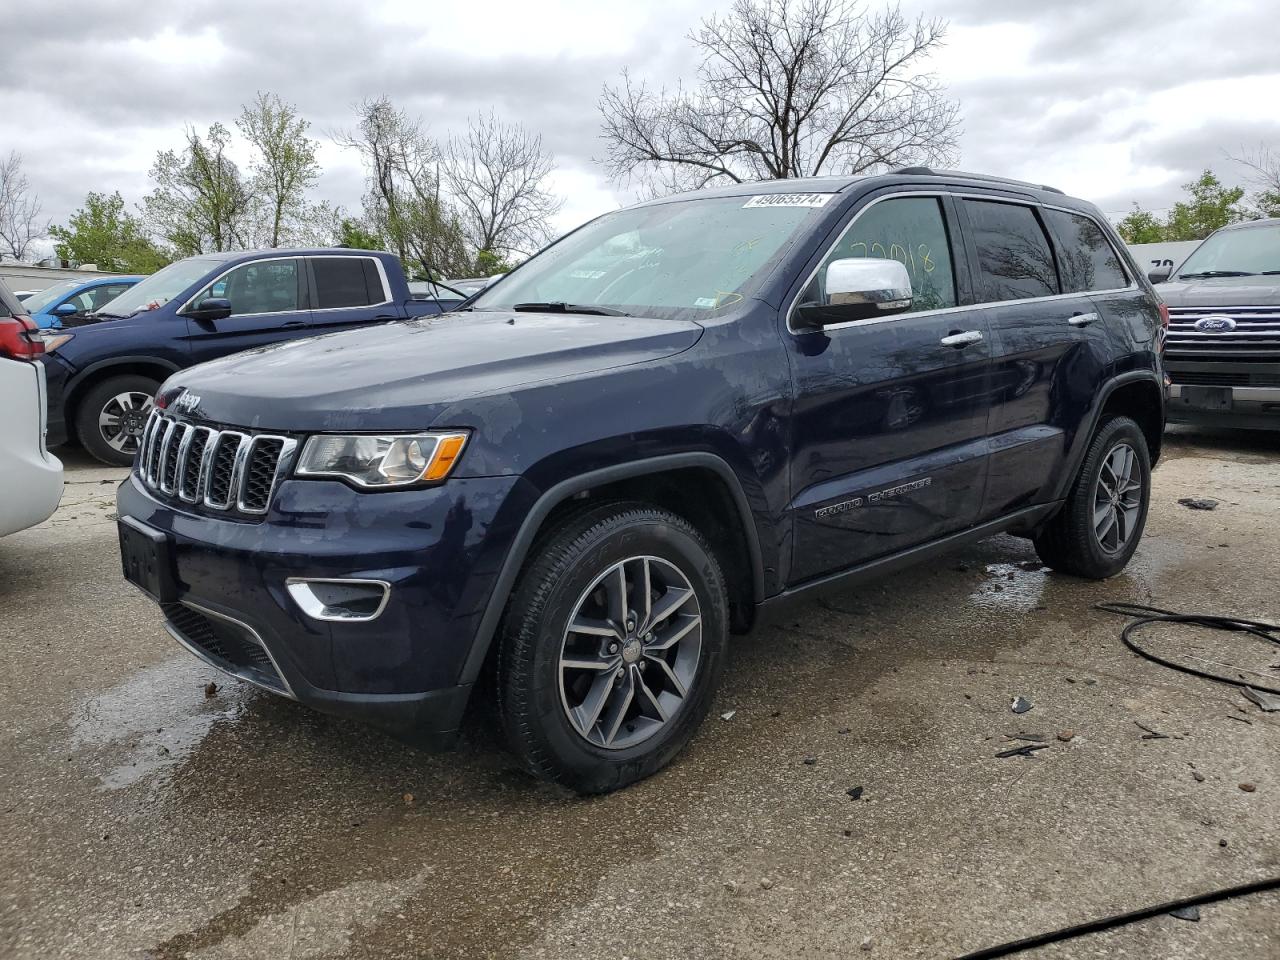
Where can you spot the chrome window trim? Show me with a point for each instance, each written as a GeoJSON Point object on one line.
{"type": "Point", "coordinates": [248, 263]}
{"type": "Point", "coordinates": [257, 638]}
{"type": "Point", "coordinates": [959, 307]}
{"type": "Point", "coordinates": [382, 276]}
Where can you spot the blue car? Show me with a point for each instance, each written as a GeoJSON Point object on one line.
{"type": "Point", "coordinates": [71, 300]}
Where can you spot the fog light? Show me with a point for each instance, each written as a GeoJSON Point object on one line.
{"type": "Point", "coordinates": [350, 600]}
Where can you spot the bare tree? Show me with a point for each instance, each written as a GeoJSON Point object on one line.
{"type": "Point", "coordinates": [286, 167]}
{"type": "Point", "coordinates": [20, 224]}
{"type": "Point", "coordinates": [787, 89]}
{"type": "Point", "coordinates": [404, 203]}
{"type": "Point", "coordinates": [1264, 166]}
{"type": "Point", "coordinates": [496, 173]}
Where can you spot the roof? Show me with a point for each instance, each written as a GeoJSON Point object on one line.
{"type": "Point", "coordinates": [288, 252]}
{"type": "Point", "coordinates": [1250, 224]}
{"type": "Point", "coordinates": [842, 183]}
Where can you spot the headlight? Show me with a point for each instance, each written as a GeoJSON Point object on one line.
{"type": "Point", "coordinates": [382, 461]}
{"type": "Point", "coordinates": [53, 340]}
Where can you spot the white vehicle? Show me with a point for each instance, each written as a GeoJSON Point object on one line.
{"type": "Point", "coordinates": [30, 477]}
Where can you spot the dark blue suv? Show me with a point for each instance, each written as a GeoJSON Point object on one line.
{"type": "Point", "coordinates": [103, 373]}
{"type": "Point", "coordinates": [671, 421]}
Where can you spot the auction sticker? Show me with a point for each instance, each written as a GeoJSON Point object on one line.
{"type": "Point", "coordinates": [789, 200]}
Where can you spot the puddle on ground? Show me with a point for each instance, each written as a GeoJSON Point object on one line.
{"type": "Point", "coordinates": [150, 722]}
{"type": "Point", "coordinates": [1012, 586]}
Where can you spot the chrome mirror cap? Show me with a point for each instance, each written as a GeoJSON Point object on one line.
{"type": "Point", "coordinates": [885, 284]}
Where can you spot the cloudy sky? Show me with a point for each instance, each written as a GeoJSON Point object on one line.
{"type": "Point", "coordinates": [1112, 100]}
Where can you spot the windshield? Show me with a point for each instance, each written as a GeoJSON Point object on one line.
{"type": "Point", "coordinates": [1242, 252]}
{"type": "Point", "coordinates": [159, 288]}
{"type": "Point", "coordinates": [40, 302]}
{"type": "Point", "coordinates": [680, 261]}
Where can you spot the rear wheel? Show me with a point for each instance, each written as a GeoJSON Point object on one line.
{"type": "Point", "coordinates": [612, 647]}
{"type": "Point", "coordinates": [111, 416]}
{"type": "Point", "coordinates": [1099, 526]}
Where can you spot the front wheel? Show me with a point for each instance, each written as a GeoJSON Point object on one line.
{"type": "Point", "coordinates": [612, 647]}
{"type": "Point", "coordinates": [1098, 528]}
{"type": "Point", "coordinates": [111, 416]}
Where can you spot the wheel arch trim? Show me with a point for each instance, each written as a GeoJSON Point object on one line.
{"type": "Point", "coordinates": [562, 491]}
{"type": "Point", "coordinates": [1080, 443]}
{"type": "Point", "coordinates": [78, 381]}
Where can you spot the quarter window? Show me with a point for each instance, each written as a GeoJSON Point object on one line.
{"type": "Point", "coordinates": [1089, 261]}
{"type": "Point", "coordinates": [911, 230]}
{"type": "Point", "coordinates": [1015, 261]}
{"type": "Point", "coordinates": [346, 282]}
{"type": "Point", "coordinates": [268, 286]}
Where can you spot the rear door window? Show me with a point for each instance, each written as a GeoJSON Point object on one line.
{"type": "Point", "coordinates": [346, 282]}
{"type": "Point", "coordinates": [1015, 261]}
{"type": "Point", "coordinates": [1089, 261]}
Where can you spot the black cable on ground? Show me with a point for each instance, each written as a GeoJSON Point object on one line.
{"type": "Point", "coordinates": [1143, 616]}
{"type": "Point", "coordinates": [1269, 632]}
{"type": "Point", "coordinates": [1120, 920]}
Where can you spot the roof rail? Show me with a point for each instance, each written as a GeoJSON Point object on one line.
{"type": "Point", "coordinates": [960, 174]}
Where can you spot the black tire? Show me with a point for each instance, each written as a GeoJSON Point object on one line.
{"type": "Point", "coordinates": [1071, 542]}
{"type": "Point", "coordinates": [92, 405]}
{"type": "Point", "coordinates": [535, 714]}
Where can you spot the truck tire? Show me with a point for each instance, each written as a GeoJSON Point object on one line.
{"type": "Point", "coordinates": [110, 417]}
{"type": "Point", "coordinates": [1098, 528]}
{"type": "Point", "coordinates": [612, 646]}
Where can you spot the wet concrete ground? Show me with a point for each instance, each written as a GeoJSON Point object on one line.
{"type": "Point", "coordinates": [139, 818]}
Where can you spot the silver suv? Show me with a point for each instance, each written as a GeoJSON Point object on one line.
{"type": "Point", "coordinates": [1223, 351]}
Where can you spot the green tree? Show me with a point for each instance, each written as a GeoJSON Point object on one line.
{"type": "Point", "coordinates": [353, 233]}
{"type": "Point", "coordinates": [201, 202]}
{"type": "Point", "coordinates": [286, 166]}
{"type": "Point", "coordinates": [1210, 205]}
{"type": "Point", "coordinates": [1141, 226]}
{"type": "Point", "coordinates": [488, 263]}
{"type": "Point", "coordinates": [103, 232]}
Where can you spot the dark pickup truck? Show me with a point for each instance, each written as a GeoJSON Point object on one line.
{"type": "Point", "coordinates": [1224, 329]}
{"type": "Point", "coordinates": [676, 418]}
{"type": "Point", "coordinates": [103, 373]}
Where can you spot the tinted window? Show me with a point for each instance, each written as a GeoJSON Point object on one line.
{"type": "Point", "coordinates": [269, 286]}
{"type": "Point", "coordinates": [346, 282]}
{"type": "Point", "coordinates": [908, 229]}
{"type": "Point", "coordinates": [1088, 260]}
{"type": "Point", "coordinates": [1015, 261]}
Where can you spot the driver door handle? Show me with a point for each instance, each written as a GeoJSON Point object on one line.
{"type": "Point", "coordinates": [962, 339]}
{"type": "Point", "coordinates": [296, 323]}
{"type": "Point", "coordinates": [1082, 319]}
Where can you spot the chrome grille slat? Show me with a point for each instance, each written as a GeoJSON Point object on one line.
{"type": "Point", "coordinates": [1256, 333]}
{"type": "Point", "coordinates": [231, 471]}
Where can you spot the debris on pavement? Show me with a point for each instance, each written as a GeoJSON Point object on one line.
{"type": "Point", "coordinates": [855, 793]}
{"type": "Point", "coordinates": [1066, 736]}
{"type": "Point", "coordinates": [728, 714]}
{"type": "Point", "coordinates": [1199, 503]}
{"type": "Point", "coordinates": [1020, 705]}
{"type": "Point", "coordinates": [210, 689]}
{"type": "Point", "coordinates": [1197, 776]}
{"type": "Point", "coordinates": [1248, 787]}
{"type": "Point", "coordinates": [1026, 750]}
{"type": "Point", "coordinates": [1150, 734]}
{"type": "Point", "coordinates": [1031, 737]}
{"type": "Point", "coordinates": [810, 761]}
{"type": "Point", "coordinates": [1191, 913]}
{"type": "Point", "coordinates": [1267, 701]}
{"type": "Point", "coordinates": [766, 883]}
{"type": "Point", "coordinates": [408, 799]}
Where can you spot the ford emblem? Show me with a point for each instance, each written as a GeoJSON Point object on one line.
{"type": "Point", "coordinates": [1216, 323]}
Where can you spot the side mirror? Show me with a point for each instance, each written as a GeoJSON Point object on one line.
{"type": "Point", "coordinates": [210, 308]}
{"type": "Point", "coordinates": [1159, 274]}
{"type": "Point", "coordinates": [859, 288]}
{"type": "Point", "coordinates": [65, 310]}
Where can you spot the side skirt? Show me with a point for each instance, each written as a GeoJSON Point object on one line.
{"type": "Point", "coordinates": [1022, 521]}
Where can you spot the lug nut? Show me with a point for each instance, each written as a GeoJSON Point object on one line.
{"type": "Point", "coordinates": [613, 648]}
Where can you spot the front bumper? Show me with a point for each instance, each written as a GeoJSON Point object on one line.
{"type": "Point", "coordinates": [439, 549]}
{"type": "Point", "coordinates": [1230, 406]}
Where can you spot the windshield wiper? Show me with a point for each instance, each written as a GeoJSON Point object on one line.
{"type": "Point", "coordinates": [559, 306]}
{"type": "Point", "coordinates": [1202, 274]}
{"type": "Point", "coordinates": [1269, 273]}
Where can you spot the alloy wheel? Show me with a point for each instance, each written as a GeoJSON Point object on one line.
{"type": "Point", "coordinates": [630, 652]}
{"type": "Point", "coordinates": [123, 418]}
{"type": "Point", "coordinates": [1117, 498]}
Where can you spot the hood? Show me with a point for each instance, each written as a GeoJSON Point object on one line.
{"type": "Point", "coordinates": [1221, 292]}
{"type": "Point", "coordinates": [398, 375]}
